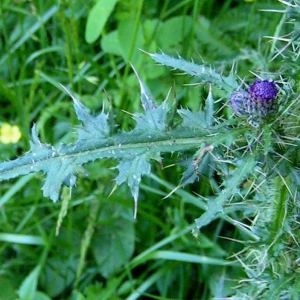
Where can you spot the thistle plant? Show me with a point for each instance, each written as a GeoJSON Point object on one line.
{"type": "Point", "coordinates": [251, 157]}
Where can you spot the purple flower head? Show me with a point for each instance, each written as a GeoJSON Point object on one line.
{"type": "Point", "coordinates": [263, 90]}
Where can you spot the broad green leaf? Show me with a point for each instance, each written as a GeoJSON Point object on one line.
{"type": "Point", "coordinates": [41, 296]}
{"type": "Point", "coordinates": [59, 273]}
{"type": "Point", "coordinates": [150, 27]}
{"type": "Point", "coordinates": [110, 43]}
{"type": "Point", "coordinates": [209, 35]}
{"type": "Point", "coordinates": [27, 289]}
{"type": "Point", "coordinates": [129, 40]}
{"type": "Point", "coordinates": [173, 31]}
{"type": "Point", "coordinates": [113, 244]}
{"type": "Point", "coordinates": [97, 19]}
{"type": "Point", "coordinates": [76, 295]}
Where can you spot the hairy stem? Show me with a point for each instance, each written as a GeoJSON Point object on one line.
{"type": "Point", "coordinates": [119, 146]}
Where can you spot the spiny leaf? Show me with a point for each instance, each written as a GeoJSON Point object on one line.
{"type": "Point", "coordinates": [147, 99]}
{"type": "Point", "coordinates": [215, 206]}
{"type": "Point", "coordinates": [153, 118]}
{"type": "Point", "coordinates": [204, 73]}
{"type": "Point", "coordinates": [120, 146]}
{"type": "Point", "coordinates": [58, 172]}
{"type": "Point", "coordinates": [131, 171]}
{"type": "Point", "coordinates": [202, 119]}
{"type": "Point", "coordinates": [208, 110]}
{"type": "Point", "coordinates": [93, 127]}
{"type": "Point", "coordinates": [134, 149]}
{"type": "Point", "coordinates": [35, 143]}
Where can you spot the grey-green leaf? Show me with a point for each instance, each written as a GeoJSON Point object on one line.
{"type": "Point", "coordinates": [147, 99]}
{"type": "Point", "coordinates": [95, 128]}
{"type": "Point", "coordinates": [59, 172]}
{"type": "Point", "coordinates": [202, 118]}
{"type": "Point", "coordinates": [134, 149]}
{"type": "Point", "coordinates": [205, 73]}
{"type": "Point", "coordinates": [131, 171]}
{"type": "Point", "coordinates": [153, 119]}
{"type": "Point", "coordinates": [215, 206]}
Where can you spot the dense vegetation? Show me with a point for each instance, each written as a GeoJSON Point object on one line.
{"type": "Point", "coordinates": [166, 182]}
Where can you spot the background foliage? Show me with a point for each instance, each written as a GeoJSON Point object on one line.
{"type": "Point", "coordinates": [87, 245]}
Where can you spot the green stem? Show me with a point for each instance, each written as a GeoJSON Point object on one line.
{"type": "Point", "coordinates": [120, 146]}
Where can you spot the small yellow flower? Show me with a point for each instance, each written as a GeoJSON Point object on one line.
{"type": "Point", "coordinates": [9, 134]}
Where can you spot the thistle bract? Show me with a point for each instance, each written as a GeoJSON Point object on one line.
{"type": "Point", "coordinates": [238, 101]}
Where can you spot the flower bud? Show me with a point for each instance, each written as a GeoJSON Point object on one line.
{"type": "Point", "coordinates": [256, 103]}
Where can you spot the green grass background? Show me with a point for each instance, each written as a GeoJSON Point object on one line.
{"type": "Point", "coordinates": [100, 252]}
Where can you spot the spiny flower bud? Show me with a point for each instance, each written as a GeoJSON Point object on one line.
{"type": "Point", "coordinates": [256, 103]}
